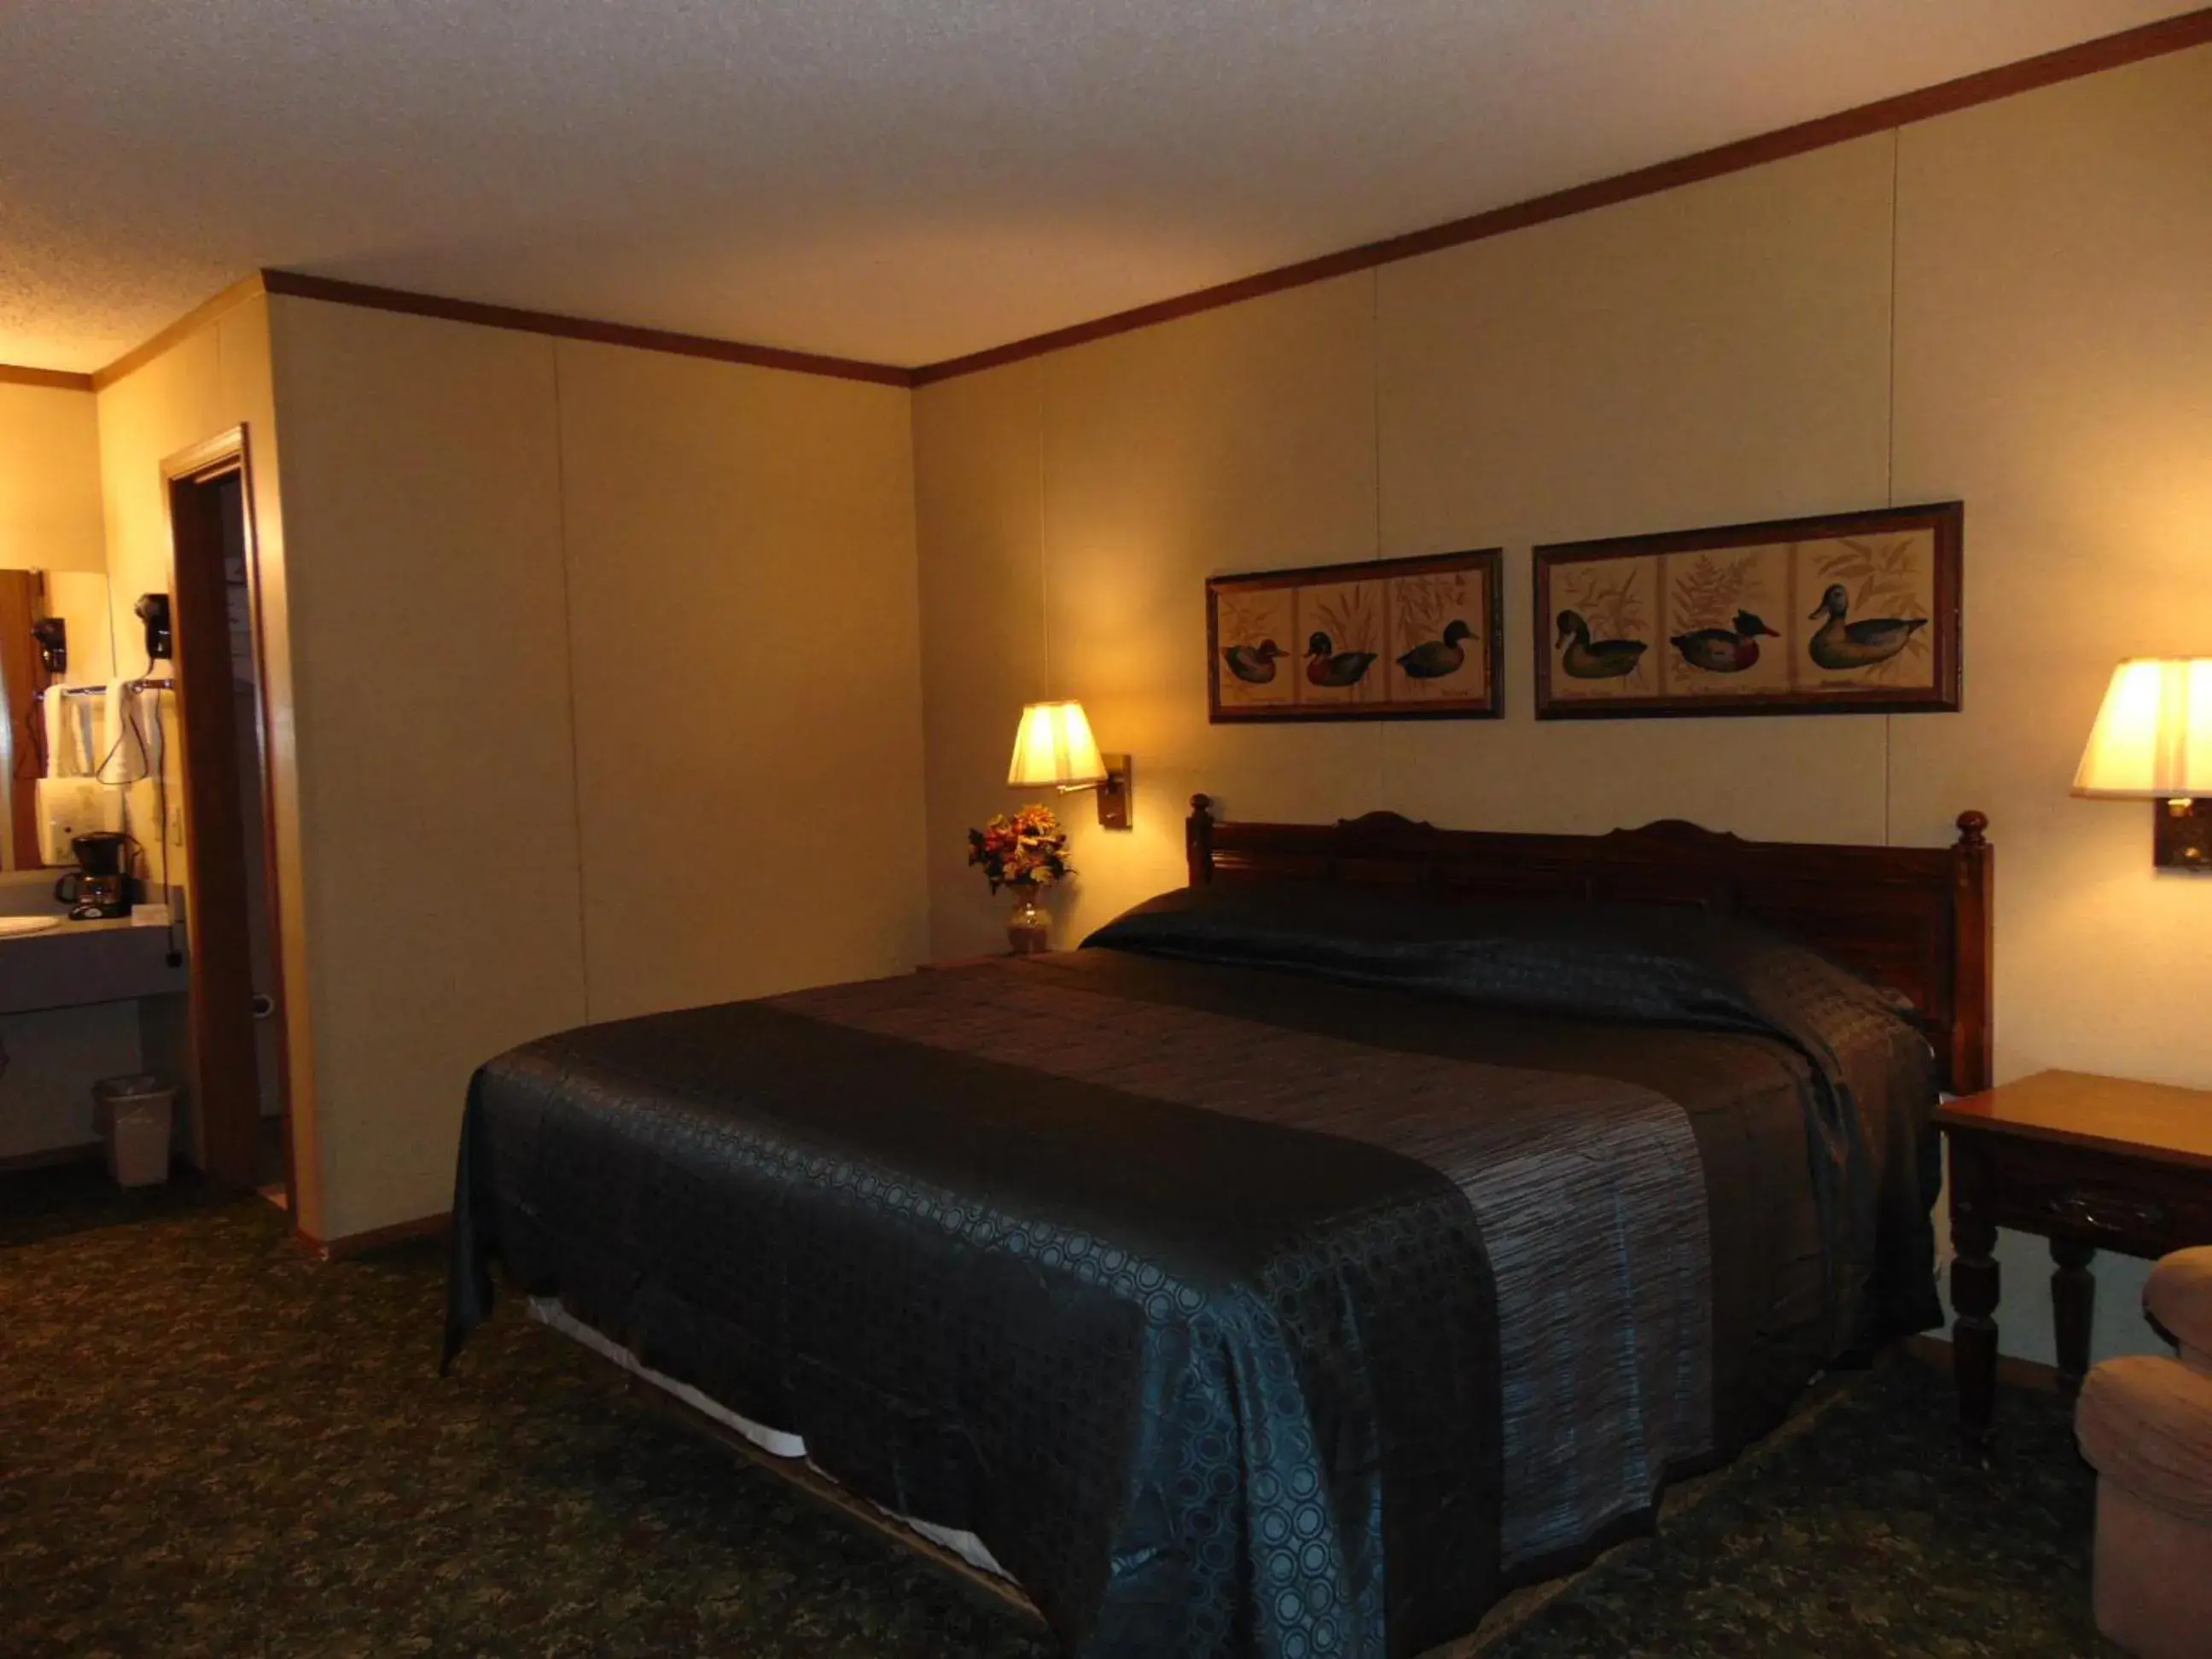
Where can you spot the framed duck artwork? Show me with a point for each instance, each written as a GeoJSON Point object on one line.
{"type": "Point", "coordinates": [1418, 639]}
{"type": "Point", "coordinates": [1857, 613]}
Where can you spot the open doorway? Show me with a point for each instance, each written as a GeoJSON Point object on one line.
{"type": "Point", "coordinates": [236, 1026]}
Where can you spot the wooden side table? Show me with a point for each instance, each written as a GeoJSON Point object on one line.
{"type": "Point", "coordinates": [2088, 1163]}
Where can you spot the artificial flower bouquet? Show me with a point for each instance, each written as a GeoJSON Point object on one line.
{"type": "Point", "coordinates": [1026, 849]}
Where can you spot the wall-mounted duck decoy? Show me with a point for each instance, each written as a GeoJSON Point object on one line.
{"type": "Point", "coordinates": [1725, 650]}
{"type": "Point", "coordinates": [1840, 644]}
{"type": "Point", "coordinates": [1605, 659]}
{"type": "Point", "coordinates": [1327, 666]}
{"type": "Point", "coordinates": [1254, 664]}
{"type": "Point", "coordinates": [1432, 660]}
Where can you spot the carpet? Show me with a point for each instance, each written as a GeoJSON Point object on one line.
{"type": "Point", "coordinates": [211, 1444]}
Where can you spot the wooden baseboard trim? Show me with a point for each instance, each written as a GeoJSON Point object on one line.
{"type": "Point", "coordinates": [53, 1158]}
{"type": "Point", "coordinates": [2109, 51]}
{"type": "Point", "coordinates": [2012, 1373]}
{"type": "Point", "coordinates": [348, 1246]}
{"type": "Point", "coordinates": [54, 380]}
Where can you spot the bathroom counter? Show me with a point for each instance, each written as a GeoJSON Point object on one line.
{"type": "Point", "coordinates": [81, 962]}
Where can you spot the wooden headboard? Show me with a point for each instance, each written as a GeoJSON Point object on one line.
{"type": "Point", "coordinates": [1916, 918]}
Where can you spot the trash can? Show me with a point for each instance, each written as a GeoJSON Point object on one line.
{"type": "Point", "coordinates": [134, 1115]}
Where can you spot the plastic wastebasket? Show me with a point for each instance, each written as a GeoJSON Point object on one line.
{"type": "Point", "coordinates": [134, 1114]}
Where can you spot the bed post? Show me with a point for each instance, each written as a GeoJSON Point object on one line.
{"type": "Point", "coordinates": [1198, 840]}
{"type": "Point", "coordinates": [1972, 872]}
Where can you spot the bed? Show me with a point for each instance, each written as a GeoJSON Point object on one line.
{"type": "Point", "coordinates": [1373, 1224]}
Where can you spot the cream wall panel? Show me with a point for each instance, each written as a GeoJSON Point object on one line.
{"type": "Point", "coordinates": [160, 408]}
{"type": "Point", "coordinates": [1711, 355]}
{"type": "Point", "coordinates": [1239, 440]}
{"type": "Point", "coordinates": [215, 379]}
{"type": "Point", "coordinates": [979, 473]}
{"type": "Point", "coordinates": [247, 384]}
{"type": "Point", "coordinates": [429, 640]}
{"type": "Point", "coordinates": [2055, 369]}
{"type": "Point", "coordinates": [49, 509]}
{"type": "Point", "coordinates": [745, 628]}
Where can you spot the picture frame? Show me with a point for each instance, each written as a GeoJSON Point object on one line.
{"type": "Point", "coordinates": [1841, 613]}
{"type": "Point", "coordinates": [1410, 639]}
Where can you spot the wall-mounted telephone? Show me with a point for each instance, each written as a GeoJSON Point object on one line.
{"type": "Point", "coordinates": [52, 633]}
{"type": "Point", "coordinates": [153, 610]}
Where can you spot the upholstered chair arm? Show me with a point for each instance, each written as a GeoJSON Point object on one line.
{"type": "Point", "coordinates": [2145, 1423]}
{"type": "Point", "coordinates": [2179, 1295]}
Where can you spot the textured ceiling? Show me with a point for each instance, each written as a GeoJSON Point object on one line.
{"type": "Point", "coordinates": [897, 180]}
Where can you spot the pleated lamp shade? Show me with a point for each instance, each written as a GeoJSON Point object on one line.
{"type": "Point", "coordinates": [1054, 746]}
{"type": "Point", "coordinates": [2153, 739]}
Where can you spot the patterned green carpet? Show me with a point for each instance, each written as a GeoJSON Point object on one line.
{"type": "Point", "coordinates": [211, 1445]}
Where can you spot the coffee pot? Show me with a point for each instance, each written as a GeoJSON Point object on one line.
{"type": "Point", "coordinates": [99, 888]}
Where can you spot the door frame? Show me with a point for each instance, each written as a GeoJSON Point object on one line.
{"type": "Point", "coordinates": [225, 1063]}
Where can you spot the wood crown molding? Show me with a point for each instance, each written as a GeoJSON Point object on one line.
{"type": "Point", "coordinates": [2171, 35]}
{"type": "Point", "coordinates": [299, 285]}
{"type": "Point", "coordinates": [54, 380]}
{"type": "Point", "coordinates": [191, 323]}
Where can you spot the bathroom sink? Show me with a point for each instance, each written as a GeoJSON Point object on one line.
{"type": "Point", "coordinates": [16, 926]}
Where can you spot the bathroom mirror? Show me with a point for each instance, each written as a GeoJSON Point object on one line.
{"type": "Point", "coordinates": [56, 633]}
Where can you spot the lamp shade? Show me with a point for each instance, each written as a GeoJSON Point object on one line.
{"type": "Point", "coordinates": [1055, 746]}
{"type": "Point", "coordinates": [2153, 739]}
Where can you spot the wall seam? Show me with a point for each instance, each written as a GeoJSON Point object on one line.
{"type": "Point", "coordinates": [1374, 483]}
{"type": "Point", "coordinates": [1889, 470]}
{"type": "Point", "coordinates": [569, 639]}
{"type": "Point", "coordinates": [1044, 563]}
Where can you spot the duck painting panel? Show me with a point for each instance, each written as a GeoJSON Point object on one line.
{"type": "Point", "coordinates": [1605, 618]}
{"type": "Point", "coordinates": [1254, 664]}
{"type": "Point", "coordinates": [1873, 597]}
{"type": "Point", "coordinates": [1382, 639]}
{"type": "Point", "coordinates": [1340, 626]}
{"type": "Point", "coordinates": [1439, 622]}
{"type": "Point", "coordinates": [1852, 612]}
{"type": "Point", "coordinates": [1720, 640]}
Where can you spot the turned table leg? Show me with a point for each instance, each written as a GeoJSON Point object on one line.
{"type": "Point", "coordinates": [2073, 1304]}
{"type": "Point", "coordinates": [1974, 1333]}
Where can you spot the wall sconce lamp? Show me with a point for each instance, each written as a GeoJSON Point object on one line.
{"type": "Point", "coordinates": [1053, 745]}
{"type": "Point", "coordinates": [2152, 741]}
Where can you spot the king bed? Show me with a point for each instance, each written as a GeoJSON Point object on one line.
{"type": "Point", "coordinates": [1328, 1246]}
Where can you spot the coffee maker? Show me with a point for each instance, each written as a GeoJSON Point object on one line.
{"type": "Point", "coordinates": [99, 888]}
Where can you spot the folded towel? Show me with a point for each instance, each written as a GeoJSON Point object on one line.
{"type": "Point", "coordinates": [61, 757]}
{"type": "Point", "coordinates": [82, 716]}
{"type": "Point", "coordinates": [154, 708]}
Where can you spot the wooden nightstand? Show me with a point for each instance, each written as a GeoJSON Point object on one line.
{"type": "Point", "coordinates": [2088, 1163]}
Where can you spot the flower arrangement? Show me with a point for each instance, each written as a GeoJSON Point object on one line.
{"type": "Point", "coordinates": [1026, 849]}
